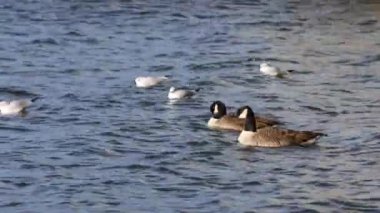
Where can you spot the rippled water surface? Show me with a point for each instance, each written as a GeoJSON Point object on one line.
{"type": "Point", "coordinates": [96, 143]}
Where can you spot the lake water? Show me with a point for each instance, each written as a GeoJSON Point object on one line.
{"type": "Point", "coordinates": [94, 142]}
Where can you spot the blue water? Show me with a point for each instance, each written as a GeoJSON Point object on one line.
{"type": "Point", "coordinates": [94, 142]}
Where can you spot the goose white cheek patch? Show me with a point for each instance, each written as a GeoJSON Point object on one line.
{"type": "Point", "coordinates": [216, 110]}
{"type": "Point", "coordinates": [243, 114]}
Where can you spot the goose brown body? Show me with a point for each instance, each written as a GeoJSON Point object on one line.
{"type": "Point", "coordinates": [274, 136]}
{"type": "Point", "coordinates": [235, 123]}
{"type": "Point", "coordinates": [220, 119]}
{"type": "Point", "coordinates": [226, 122]}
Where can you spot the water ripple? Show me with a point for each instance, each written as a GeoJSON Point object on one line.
{"type": "Point", "coordinates": [94, 142]}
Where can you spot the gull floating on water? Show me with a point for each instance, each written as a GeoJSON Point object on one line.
{"type": "Point", "coordinates": [15, 106]}
{"type": "Point", "coordinates": [149, 81]}
{"type": "Point", "coordinates": [268, 69]}
{"type": "Point", "coordinates": [180, 93]}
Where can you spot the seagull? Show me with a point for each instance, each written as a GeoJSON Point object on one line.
{"type": "Point", "coordinates": [15, 106]}
{"type": "Point", "coordinates": [268, 69]}
{"type": "Point", "coordinates": [149, 81]}
{"type": "Point", "coordinates": [180, 93]}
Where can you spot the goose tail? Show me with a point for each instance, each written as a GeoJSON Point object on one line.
{"type": "Point", "coordinates": [320, 134]}
{"type": "Point", "coordinates": [309, 142]}
{"type": "Point", "coordinates": [313, 139]}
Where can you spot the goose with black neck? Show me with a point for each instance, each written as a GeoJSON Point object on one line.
{"type": "Point", "coordinates": [273, 136]}
{"type": "Point", "coordinates": [221, 120]}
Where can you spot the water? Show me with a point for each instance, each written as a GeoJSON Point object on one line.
{"type": "Point", "coordinates": [96, 143]}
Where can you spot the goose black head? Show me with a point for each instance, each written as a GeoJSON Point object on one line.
{"type": "Point", "coordinates": [250, 121]}
{"type": "Point", "coordinates": [218, 109]}
{"type": "Point", "coordinates": [242, 112]}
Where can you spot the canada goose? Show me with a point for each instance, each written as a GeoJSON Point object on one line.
{"type": "Point", "coordinates": [149, 81]}
{"type": "Point", "coordinates": [273, 136]}
{"type": "Point", "coordinates": [268, 69]}
{"type": "Point", "coordinates": [15, 106]}
{"type": "Point", "coordinates": [220, 119]}
{"type": "Point", "coordinates": [180, 93]}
